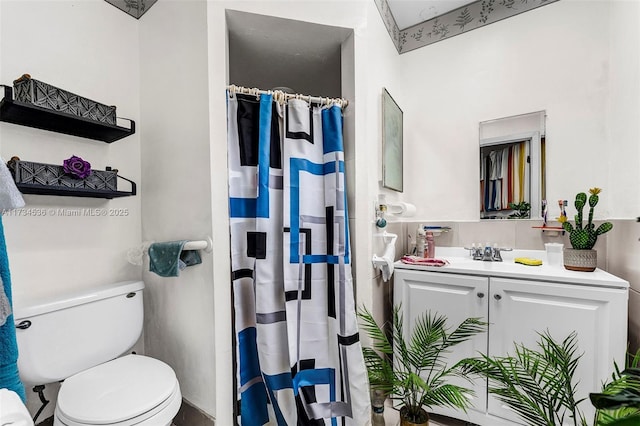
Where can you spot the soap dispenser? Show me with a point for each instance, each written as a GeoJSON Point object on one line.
{"type": "Point", "coordinates": [430, 251]}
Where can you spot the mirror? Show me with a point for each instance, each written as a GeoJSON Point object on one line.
{"type": "Point", "coordinates": [392, 156]}
{"type": "Point", "coordinates": [512, 178]}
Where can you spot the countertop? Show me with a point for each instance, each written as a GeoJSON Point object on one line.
{"type": "Point", "coordinates": [461, 263]}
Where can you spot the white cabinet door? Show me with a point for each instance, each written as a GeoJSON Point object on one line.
{"type": "Point", "coordinates": [457, 297]}
{"type": "Point", "coordinates": [520, 308]}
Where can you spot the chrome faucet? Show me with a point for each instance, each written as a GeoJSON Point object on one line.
{"type": "Point", "coordinates": [475, 252]}
{"type": "Point", "coordinates": [487, 253]}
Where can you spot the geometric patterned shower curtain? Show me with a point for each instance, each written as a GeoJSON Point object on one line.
{"type": "Point", "coordinates": [298, 353]}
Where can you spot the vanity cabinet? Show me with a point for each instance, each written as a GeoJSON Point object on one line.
{"type": "Point", "coordinates": [517, 309]}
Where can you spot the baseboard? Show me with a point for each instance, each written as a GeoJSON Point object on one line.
{"type": "Point", "coordinates": [191, 416]}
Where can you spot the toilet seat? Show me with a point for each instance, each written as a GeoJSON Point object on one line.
{"type": "Point", "coordinates": [131, 390]}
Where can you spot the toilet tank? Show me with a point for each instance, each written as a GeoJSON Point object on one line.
{"type": "Point", "coordinates": [63, 335]}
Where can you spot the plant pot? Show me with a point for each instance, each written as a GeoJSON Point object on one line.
{"type": "Point", "coordinates": [405, 422]}
{"type": "Point", "coordinates": [580, 260]}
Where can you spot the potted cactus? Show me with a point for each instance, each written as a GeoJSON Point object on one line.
{"type": "Point", "coordinates": [582, 257]}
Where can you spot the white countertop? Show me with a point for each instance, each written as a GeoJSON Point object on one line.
{"type": "Point", "coordinates": [461, 263]}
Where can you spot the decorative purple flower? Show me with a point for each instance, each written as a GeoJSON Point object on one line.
{"type": "Point", "coordinates": [77, 167]}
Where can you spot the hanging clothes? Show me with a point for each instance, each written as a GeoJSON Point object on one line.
{"type": "Point", "coordinates": [510, 182]}
{"type": "Point", "coordinates": [298, 353]}
{"type": "Point", "coordinates": [504, 181]}
{"type": "Point", "coordinates": [522, 155]}
{"type": "Point", "coordinates": [504, 177]}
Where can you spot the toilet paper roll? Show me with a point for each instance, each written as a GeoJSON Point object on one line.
{"type": "Point", "coordinates": [12, 410]}
{"type": "Point", "coordinates": [402, 209]}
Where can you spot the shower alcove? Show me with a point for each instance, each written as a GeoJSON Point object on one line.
{"type": "Point", "coordinates": [266, 52]}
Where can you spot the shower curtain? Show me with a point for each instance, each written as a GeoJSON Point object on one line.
{"type": "Point", "coordinates": [298, 354]}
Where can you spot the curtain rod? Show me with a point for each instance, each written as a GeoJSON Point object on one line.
{"type": "Point", "coordinates": [281, 97]}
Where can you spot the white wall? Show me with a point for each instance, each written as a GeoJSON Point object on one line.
{"type": "Point", "coordinates": [176, 192]}
{"type": "Point", "coordinates": [563, 58]}
{"type": "Point", "coordinates": [622, 110]}
{"type": "Point", "coordinates": [89, 48]}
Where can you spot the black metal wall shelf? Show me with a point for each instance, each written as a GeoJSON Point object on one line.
{"type": "Point", "coordinates": [32, 188]}
{"type": "Point", "coordinates": [25, 114]}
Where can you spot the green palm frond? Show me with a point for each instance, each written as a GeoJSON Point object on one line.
{"type": "Point", "coordinates": [619, 402]}
{"type": "Point", "coordinates": [411, 367]}
{"type": "Point", "coordinates": [378, 336]}
{"type": "Point", "coordinates": [537, 384]}
{"type": "Point", "coordinates": [512, 384]}
{"type": "Point", "coordinates": [467, 329]}
{"type": "Point", "coordinates": [448, 395]}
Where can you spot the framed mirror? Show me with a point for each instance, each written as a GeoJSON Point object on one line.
{"type": "Point", "coordinates": [392, 156]}
{"type": "Point", "coordinates": [512, 157]}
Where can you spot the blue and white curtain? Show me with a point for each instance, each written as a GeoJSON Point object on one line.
{"type": "Point", "coordinates": [298, 353]}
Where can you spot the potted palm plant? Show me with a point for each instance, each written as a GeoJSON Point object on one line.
{"type": "Point", "coordinates": [412, 369]}
{"type": "Point", "coordinates": [538, 385]}
{"type": "Point", "coordinates": [582, 257]}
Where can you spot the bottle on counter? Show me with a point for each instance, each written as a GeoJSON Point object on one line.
{"type": "Point", "coordinates": [430, 251]}
{"type": "Point", "coordinates": [420, 241]}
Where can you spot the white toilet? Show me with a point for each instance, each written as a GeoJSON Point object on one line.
{"type": "Point", "coordinates": [79, 338]}
{"type": "Point", "coordinates": [12, 410]}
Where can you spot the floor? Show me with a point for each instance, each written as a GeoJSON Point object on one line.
{"type": "Point", "coordinates": [391, 418]}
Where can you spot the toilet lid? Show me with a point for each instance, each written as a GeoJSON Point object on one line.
{"type": "Point", "coordinates": [117, 390]}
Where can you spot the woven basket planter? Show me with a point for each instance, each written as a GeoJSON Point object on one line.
{"type": "Point", "coordinates": [35, 92]}
{"type": "Point", "coordinates": [580, 260]}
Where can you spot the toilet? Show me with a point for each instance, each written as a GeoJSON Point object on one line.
{"type": "Point", "coordinates": [80, 338]}
{"type": "Point", "coordinates": [12, 410]}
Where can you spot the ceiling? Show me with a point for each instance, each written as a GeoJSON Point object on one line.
{"type": "Point", "coordinates": [412, 24]}
{"type": "Point", "coordinates": [408, 13]}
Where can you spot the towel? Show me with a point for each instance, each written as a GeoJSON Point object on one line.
{"type": "Point", "coordinates": [417, 260]}
{"type": "Point", "coordinates": [9, 377]}
{"type": "Point", "coordinates": [10, 197]}
{"type": "Point", "coordinates": [168, 259]}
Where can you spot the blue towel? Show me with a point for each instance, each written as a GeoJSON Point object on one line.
{"type": "Point", "coordinates": [9, 377]}
{"type": "Point", "coordinates": [168, 259]}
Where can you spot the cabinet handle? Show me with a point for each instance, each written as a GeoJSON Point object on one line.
{"type": "Point", "coordinates": [480, 295]}
{"type": "Point", "coordinates": [497, 296]}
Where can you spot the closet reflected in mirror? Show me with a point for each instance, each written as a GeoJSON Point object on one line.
{"type": "Point", "coordinates": [512, 166]}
